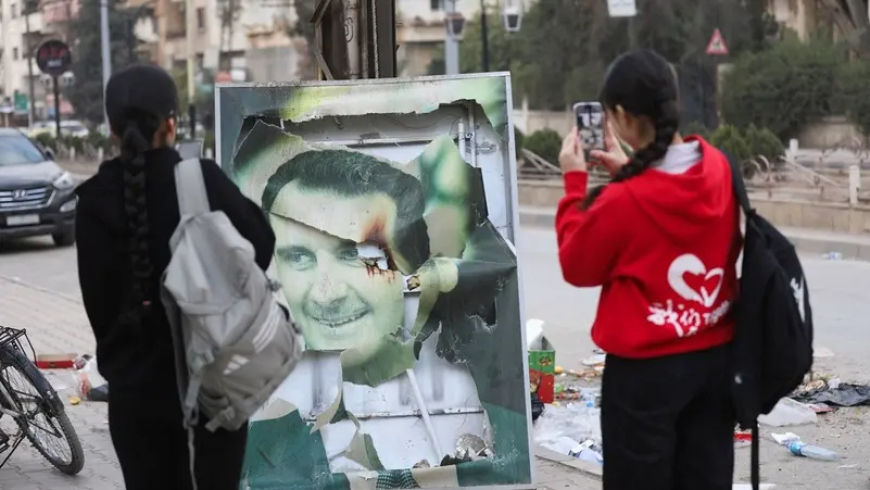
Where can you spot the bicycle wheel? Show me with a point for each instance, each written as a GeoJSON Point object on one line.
{"type": "Point", "coordinates": [45, 423]}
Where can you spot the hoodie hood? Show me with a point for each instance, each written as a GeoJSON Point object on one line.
{"type": "Point", "coordinates": [662, 196]}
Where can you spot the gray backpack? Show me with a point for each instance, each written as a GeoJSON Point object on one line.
{"type": "Point", "coordinates": [234, 343]}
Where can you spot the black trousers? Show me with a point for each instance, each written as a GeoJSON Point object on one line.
{"type": "Point", "coordinates": [668, 423]}
{"type": "Point", "coordinates": [151, 444]}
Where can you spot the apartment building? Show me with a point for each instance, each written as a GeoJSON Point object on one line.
{"type": "Point", "coordinates": [238, 40]}
{"type": "Point", "coordinates": [22, 29]}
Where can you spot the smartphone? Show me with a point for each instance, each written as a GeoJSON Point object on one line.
{"type": "Point", "coordinates": [590, 123]}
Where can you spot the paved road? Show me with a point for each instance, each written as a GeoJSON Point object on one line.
{"type": "Point", "coordinates": [40, 291]}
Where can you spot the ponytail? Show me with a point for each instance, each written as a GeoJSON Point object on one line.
{"type": "Point", "coordinates": [134, 144]}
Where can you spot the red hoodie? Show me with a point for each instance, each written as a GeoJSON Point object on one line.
{"type": "Point", "coordinates": [664, 249]}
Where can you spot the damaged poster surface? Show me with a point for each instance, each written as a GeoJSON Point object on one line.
{"type": "Point", "coordinates": [393, 248]}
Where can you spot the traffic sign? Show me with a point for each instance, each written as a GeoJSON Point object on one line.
{"type": "Point", "coordinates": [717, 45]}
{"type": "Point", "coordinates": [53, 57]}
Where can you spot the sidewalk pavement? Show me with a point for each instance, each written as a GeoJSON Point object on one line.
{"type": "Point", "coordinates": [57, 324]}
{"type": "Point", "coordinates": [817, 242]}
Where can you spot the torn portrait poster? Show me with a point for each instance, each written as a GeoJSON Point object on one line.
{"type": "Point", "coordinates": [393, 204]}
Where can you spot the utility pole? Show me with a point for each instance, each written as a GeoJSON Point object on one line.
{"type": "Point", "coordinates": [451, 43]}
{"type": "Point", "coordinates": [31, 106]}
{"type": "Point", "coordinates": [190, 18]}
{"type": "Point", "coordinates": [107, 56]}
{"type": "Point", "coordinates": [484, 38]}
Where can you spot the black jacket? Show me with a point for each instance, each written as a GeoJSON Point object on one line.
{"type": "Point", "coordinates": [143, 361]}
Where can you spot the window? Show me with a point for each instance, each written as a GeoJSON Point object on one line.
{"type": "Point", "coordinates": [13, 10]}
{"type": "Point", "coordinates": [200, 18]}
{"type": "Point", "coordinates": [14, 53]}
{"type": "Point", "coordinates": [435, 4]}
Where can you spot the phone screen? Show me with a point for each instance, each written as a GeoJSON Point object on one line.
{"type": "Point", "coordinates": [590, 122]}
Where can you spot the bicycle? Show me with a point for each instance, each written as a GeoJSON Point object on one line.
{"type": "Point", "coordinates": [37, 412]}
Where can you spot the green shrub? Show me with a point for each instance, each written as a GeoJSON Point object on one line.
{"type": "Point", "coordinates": [46, 140]}
{"type": "Point", "coordinates": [696, 127]}
{"type": "Point", "coordinates": [854, 94]}
{"type": "Point", "coordinates": [783, 88]}
{"type": "Point", "coordinates": [728, 138]}
{"type": "Point", "coordinates": [545, 143]}
{"type": "Point", "coordinates": [763, 142]}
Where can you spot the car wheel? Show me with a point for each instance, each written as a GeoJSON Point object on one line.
{"type": "Point", "coordinates": [64, 239]}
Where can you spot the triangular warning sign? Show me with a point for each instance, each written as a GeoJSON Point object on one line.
{"type": "Point", "coordinates": [717, 45]}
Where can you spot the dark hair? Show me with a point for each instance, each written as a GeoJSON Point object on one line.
{"type": "Point", "coordinates": [136, 139]}
{"type": "Point", "coordinates": [643, 84]}
{"type": "Point", "coordinates": [351, 174]}
{"type": "Point", "coordinates": [139, 99]}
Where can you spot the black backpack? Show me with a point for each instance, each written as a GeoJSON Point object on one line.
{"type": "Point", "coordinates": [773, 336]}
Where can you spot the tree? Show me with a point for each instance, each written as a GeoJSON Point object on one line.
{"type": "Point", "coordinates": [503, 45]}
{"type": "Point", "coordinates": [86, 93]}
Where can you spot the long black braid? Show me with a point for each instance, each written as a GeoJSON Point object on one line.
{"type": "Point", "coordinates": [643, 84]}
{"type": "Point", "coordinates": [136, 140]}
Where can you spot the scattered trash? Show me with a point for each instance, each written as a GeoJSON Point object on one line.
{"type": "Point", "coordinates": [847, 466]}
{"type": "Point", "coordinates": [742, 438]}
{"type": "Point", "coordinates": [470, 447]}
{"type": "Point", "coordinates": [821, 408]}
{"type": "Point", "coordinates": [74, 400]}
{"type": "Point", "coordinates": [788, 412]}
{"type": "Point", "coordinates": [542, 361]}
{"type": "Point", "coordinates": [587, 451]}
{"type": "Point", "coordinates": [537, 406]}
{"type": "Point", "coordinates": [837, 394]}
{"type": "Point", "coordinates": [55, 361]}
{"type": "Point", "coordinates": [421, 464]}
{"type": "Point", "coordinates": [832, 256]}
{"type": "Point", "coordinates": [747, 486]}
{"type": "Point", "coordinates": [799, 448]}
{"type": "Point", "coordinates": [596, 360]}
{"type": "Point", "coordinates": [564, 428]}
{"type": "Point", "coordinates": [560, 370]}
{"type": "Point", "coordinates": [88, 382]}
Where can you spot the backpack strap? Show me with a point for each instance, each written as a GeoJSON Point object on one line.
{"type": "Point", "coordinates": [190, 188]}
{"type": "Point", "coordinates": [738, 185]}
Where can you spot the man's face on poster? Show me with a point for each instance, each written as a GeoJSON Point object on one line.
{"type": "Point", "coordinates": [339, 294]}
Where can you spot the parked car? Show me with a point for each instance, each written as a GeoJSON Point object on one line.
{"type": "Point", "coordinates": [70, 127]}
{"type": "Point", "coordinates": [36, 196]}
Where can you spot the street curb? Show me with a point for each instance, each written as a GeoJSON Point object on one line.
{"type": "Point", "coordinates": [845, 248]}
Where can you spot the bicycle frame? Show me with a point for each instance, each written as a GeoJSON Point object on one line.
{"type": "Point", "coordinates": [10, 340]}
{"type": "Point", "coordinates": [6, 400]}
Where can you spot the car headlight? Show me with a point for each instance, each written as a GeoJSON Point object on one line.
{"type": "Point", "coordinates": [69, 205]}
{"type": "Point", "coordinates": [64, 181]}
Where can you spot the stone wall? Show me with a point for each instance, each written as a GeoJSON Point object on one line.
{"type": "Point", "coordinates": [835, 217]}
{"type": "Point", "coordinates": [824, 134]}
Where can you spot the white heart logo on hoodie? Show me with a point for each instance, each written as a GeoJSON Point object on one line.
{"type": "Point", "coordinates": [691, 264]}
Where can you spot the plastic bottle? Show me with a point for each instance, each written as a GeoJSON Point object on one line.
{"type": "Point", "coordinates": [799, 448]}
{"type": "Point", "coordinates": [588, 399]}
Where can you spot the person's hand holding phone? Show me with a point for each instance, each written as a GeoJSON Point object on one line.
{"type": "Point", "coordinates": [612, 157]}
{"type": "Point", "coordinates": [571, 157]}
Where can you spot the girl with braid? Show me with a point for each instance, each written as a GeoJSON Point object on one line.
{"type": "Point", "coordinates": [127, 214]}
{"type": "Point", "coordinates": [661, 240]}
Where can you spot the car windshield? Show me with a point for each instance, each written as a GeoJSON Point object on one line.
{"type": "Point", "coordinates": [16, 150]}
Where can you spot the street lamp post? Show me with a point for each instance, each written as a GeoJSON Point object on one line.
{"type": "Point", "coordinates": [106, 53]}
{"type": "Point", "coordinates": [484, 38]}
{"type": "Point", "coordinates": [31, 106]}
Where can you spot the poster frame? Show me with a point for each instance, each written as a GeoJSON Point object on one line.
{"type": "Point", "coordinates": [226, 146]}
